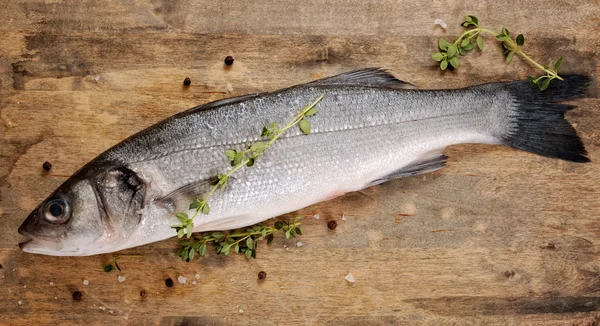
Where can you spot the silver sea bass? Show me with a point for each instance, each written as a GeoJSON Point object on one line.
{"type": "Point", "coordinates": [370, 128]}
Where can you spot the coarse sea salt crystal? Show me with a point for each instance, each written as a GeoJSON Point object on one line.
{"type": "Point", "coordinates": [121, 278]}
{"type": "Point", "coordinates": [86, 282]}
{"type": "Point", "coordinates": [441, 23]}
{"type": "Point", "coordinates": [317, 216]}
{"type": "Point", "coordinates": [350, 278]}
{"type": "Point", "coordinates": [182, 279]}
{"type": "Point", "coordinates": [51, 283]}
{"type": "Point", "coordinates": [194, 283]}
{"type": "Point", "coordinates": [20, 302]}
{"type": "Point", "coordinates": [299, 244]}
{"type": "Point", "coordinates": [241, 311]}
{"type": "Point", "coordinates": [197, 276]}
{"type": "Point", "coordinates": [343, 217]}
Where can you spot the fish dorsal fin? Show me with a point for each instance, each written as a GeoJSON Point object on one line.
{"type": "Point", "coordinates": [218, 103]}
{"type": "Point", "coordinates": [429, 164]}
{"type": "Point", "coordinates": [365, 77]}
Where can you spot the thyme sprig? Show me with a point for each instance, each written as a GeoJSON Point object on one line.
{"type": "Point", "coordinates": [240, 159]}
{"type": "Point", "coordinates": [115, 262]}
{"type": "Point", "coordinates": [244, 242]}
{"type": "Point", "coordinates": [449, 51]}
{"type": "Point", "coordinates": [240, 242]}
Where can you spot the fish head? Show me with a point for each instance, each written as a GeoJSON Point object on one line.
{"type": "Point", "coordinates": [91, 213]}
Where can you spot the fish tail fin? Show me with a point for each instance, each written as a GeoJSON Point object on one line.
{"type": "Point", "coordinates": [538, 123]}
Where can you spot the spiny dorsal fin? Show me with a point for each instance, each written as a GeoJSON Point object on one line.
{"type": "Point", "coordinates": [218, 103]}
{"type": "Point", "coordinates": [365, 77]}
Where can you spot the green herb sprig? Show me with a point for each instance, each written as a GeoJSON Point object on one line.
{"type": "Point", "coordinates": [449, 51]}
{"type": "Point", "coordinates": [115, 262]}
{"type": "Point", "coordinates": [245, 242]}
{"type": "Point", "coordinates": [240, 159]}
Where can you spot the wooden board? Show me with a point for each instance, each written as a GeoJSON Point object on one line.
{"type": "Point", "coordinates": [498, 237]}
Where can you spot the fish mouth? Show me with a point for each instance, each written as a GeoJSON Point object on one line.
{"type": "Point", "coordinates": [45, 247]}
{"type": "Point", "coordinates": [25, 234]}
{"type": "Point", "coordinates": [30, 237]}
{"type": "Point", "coordinates": [23, 245]}
{"type": "Point", "coordinates": [22, 229]}
{"type": "Point", "coordinates": [39, 245]}
{"type": "Point", "coordinates": [23, 226]}
{"type": "Point", "coordinates": [36, 243]}
{"type": "Point", "coordinates": [26, 228]}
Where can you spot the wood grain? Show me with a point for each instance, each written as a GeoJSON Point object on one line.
{"type": "Point", "coordinates": [499, 237]}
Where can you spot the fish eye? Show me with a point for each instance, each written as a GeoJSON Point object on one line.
{"type": "Point", "coordinates": [57, 211]}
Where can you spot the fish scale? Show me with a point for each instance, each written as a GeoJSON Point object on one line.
{"type": "Point", "coordinates": [344, 108]}
{"type": "Point", "coordinates": [370, 128]}
{"type": "Point", "coordinates": [397, 118]}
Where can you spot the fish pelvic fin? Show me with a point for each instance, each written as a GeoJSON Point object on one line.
{"type": "Point", "coordinates": [376, 77]}
{"type": "Point", "coordinates": [538, 122]}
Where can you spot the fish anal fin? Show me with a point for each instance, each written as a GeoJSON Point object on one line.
{"type": "Point", "coordinates": [365, 77]}
{"type": "Point", "coordinates": [422, 166]}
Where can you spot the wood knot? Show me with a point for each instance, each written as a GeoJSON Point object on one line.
{"type": "Point", "coordinates": [323, 54]}
{"type": "Point", "coordinates": [549, 246]}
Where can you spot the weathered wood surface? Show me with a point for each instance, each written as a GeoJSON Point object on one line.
{"type": "Point", "coordinates": [498, 237]}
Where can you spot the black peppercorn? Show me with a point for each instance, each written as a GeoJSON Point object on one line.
{"type": "Point", "coordinates": [77, 295]}
{"type": "Point", "coordinates": [143, 293]}
{"type": "Point", "coordinates": [332, 225]}
{"type": "Point", "coordinates": [169, 282]}
{"type": "Point", "coordinates": [229, 60]}
{"type": "Point", "coordinates": [47, 166]}
{"type": "Point", "coordinates": [262, 275]}
{"type": "Point", "coordinates": [187, 81]}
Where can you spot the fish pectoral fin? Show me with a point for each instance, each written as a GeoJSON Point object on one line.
{"type": "Point", "coordinates": [179, 199]}
{"type": "Point", "coordinates": [428, 165]}
{"type": "Point", "coordinates": [365, 77]}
